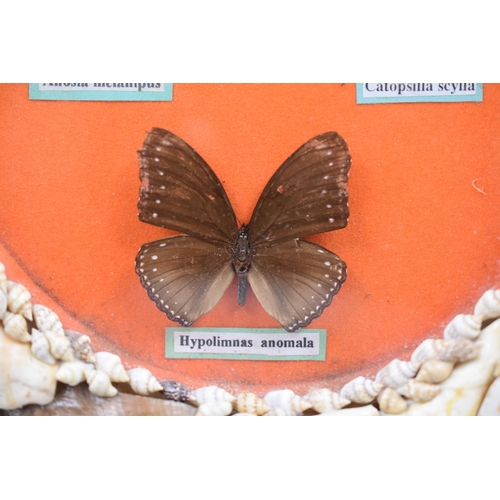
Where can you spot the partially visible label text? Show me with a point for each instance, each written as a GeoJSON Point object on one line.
{"type": "Point", "coordinates": [418, 92]}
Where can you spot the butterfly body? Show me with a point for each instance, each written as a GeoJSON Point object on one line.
{"type": "Point", "coordinates": [293, 279]}
{"type": "Point", "coordinates": [242, 262]}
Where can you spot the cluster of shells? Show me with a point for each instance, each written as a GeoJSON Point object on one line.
{"type": "Point", "coordinates": [458, 374]}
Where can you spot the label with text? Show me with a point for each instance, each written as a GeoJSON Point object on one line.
{"type": "Point", "coordinates": [101, 91]}
{"type": "Point", "coordinates": [372, 93]}
{"type": "Point", "coordinates": [245, 343]}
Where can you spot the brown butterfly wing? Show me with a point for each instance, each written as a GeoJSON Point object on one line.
{"type": "Point", "coordinates": [307, 194]}
{"type": "Point", "coordinates": [185, 276]}
{"type": "Point", "coordinates": [295, 281]}
{"type": "Point", "coordinates": [181, 192]}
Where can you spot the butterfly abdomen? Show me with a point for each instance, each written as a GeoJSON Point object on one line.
{"type": "Point", "coordinates": [242, 261]}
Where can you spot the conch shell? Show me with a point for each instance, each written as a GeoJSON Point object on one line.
{"type": "Point", "coordinates": [391, 402]}
{"type": "Point", "coordinates": [60, 346]}
{"type": "Point", "coordinates": [40, 347]}
{"type": "Point", "coordinates": [19, 299]}
{"type": "Point", "coordinates": [287, 400]}
{"type": "Point", "coordinates": [325, 400]}
{"type": "Point", "coordinates": [215, 409]}
{"type": "Point", "coordinates": [80, 344]}
{"type": "Point", "coordinates": [47, 320]}
{"type": "Point", "coordinates": [15, 325]}
{"type": "Point", "coordinates": [463, 391]}
{"type": "Point", "coordinates": [361, 390]}
{"type": "Point", "coordinates": [419, 391]}
{"type": "Point", "coordinates": [111, 364]}
{"type": "Point", "coordinates": [397, 373]}
{"type": "Point", "coordinates": [491, 402]}
{"type": "Point", "coordinates": [247, 402]}
{"type": "Point", "coordinates": [434, 371]}
{"type": "Point", "coordinates": [23, 378]}
{"type": "Point", "coordinates": [73, 373]}
{"type": "Point", "coordinates": [143, 382]}
{"type": "Point", "coordinates": [100, 384]}
{"type": "Point", "coordinates": [445, 350]}
{"type": "Point", "coordinates": [211, 394]}
{"type": "Point", "coordinates": [467, 326]}
{"type": "Point", "coordinates": [488, 306]}
{"type": "Point", "coordinates": [175, 391]}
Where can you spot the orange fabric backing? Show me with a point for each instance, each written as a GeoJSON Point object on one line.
{"type": "Point", "coordinates": [422, 243]}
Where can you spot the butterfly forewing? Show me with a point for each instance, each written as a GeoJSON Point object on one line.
{"type": "Point", "coordinates": [181, 192]}
{"type": "Point", "coordinates": [185, 276]}
{"type": "Point", "coordinates": [307, 194]}
{"type": "Point", "coordinates": [295, 281]}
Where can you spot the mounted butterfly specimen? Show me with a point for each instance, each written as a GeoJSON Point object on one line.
{"type": "Point", "coordinates": [186, 275]}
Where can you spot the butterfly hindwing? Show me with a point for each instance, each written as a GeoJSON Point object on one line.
{"type": "Point", "coordinates": [307, 194]}
{"type": "Point", "coordinates": [185, 276]}
{"type": "Point", "coordinates": [295, 281]}
{"type": "Point", "coordinates": [181, 192]}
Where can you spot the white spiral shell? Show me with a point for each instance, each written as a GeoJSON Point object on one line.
{"type": "Point", "coordinates": [420, 392]}
{"type": "Point", "coordinates": [100, 384]}
{"type": "Point", "coordinates": [60, 346]}
{"type": "Point", "coordinates": [215, 409]}
{"type": "Point", "coordinates": [19, 299]}
{"type": "Point", "coordinates": [247, 402]}
{"type": "Point", "coordinates": [211, 394]}
{"type": "Point", "coordinates": [47, 320]}
{"type": "Point", "coordinates": [73, 373]}
{"type": "Point", "coordinates": [143, 382]}
{"type": "Point", "coordinates": [445, 350]}
{"type": "Point", "coordinates": [323, 400]}
{"type": "Point", "coordinates": [15, 325]}
{"type": "Point", "coordinates": [488, 306]}
{"type": "Point", "coordinates": [40, 347]}
{"type": "Point", "coordinates": [287, 400]}
{"type": "Point", "coordinates": [391, 401]}
{"type": "Point", "coordinates": [397, 373]}
{"type": "Point", "coordinates": [434, 371]}
{"type": "Point", "coordinates": [80, 344]}
{"type": "Point", "coordinates": [111, 364]}
{"type": "Point", "coordinates": [467, 326]}
{"type": "Point", "coordinates": [361, 390]}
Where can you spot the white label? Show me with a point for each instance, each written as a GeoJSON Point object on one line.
{"type": "Point", "coordinates": [281, 344]}
{"type": "Point", "coordinates": [417, 89]}
{"type": "Point", "coordinates": [100, 87]}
